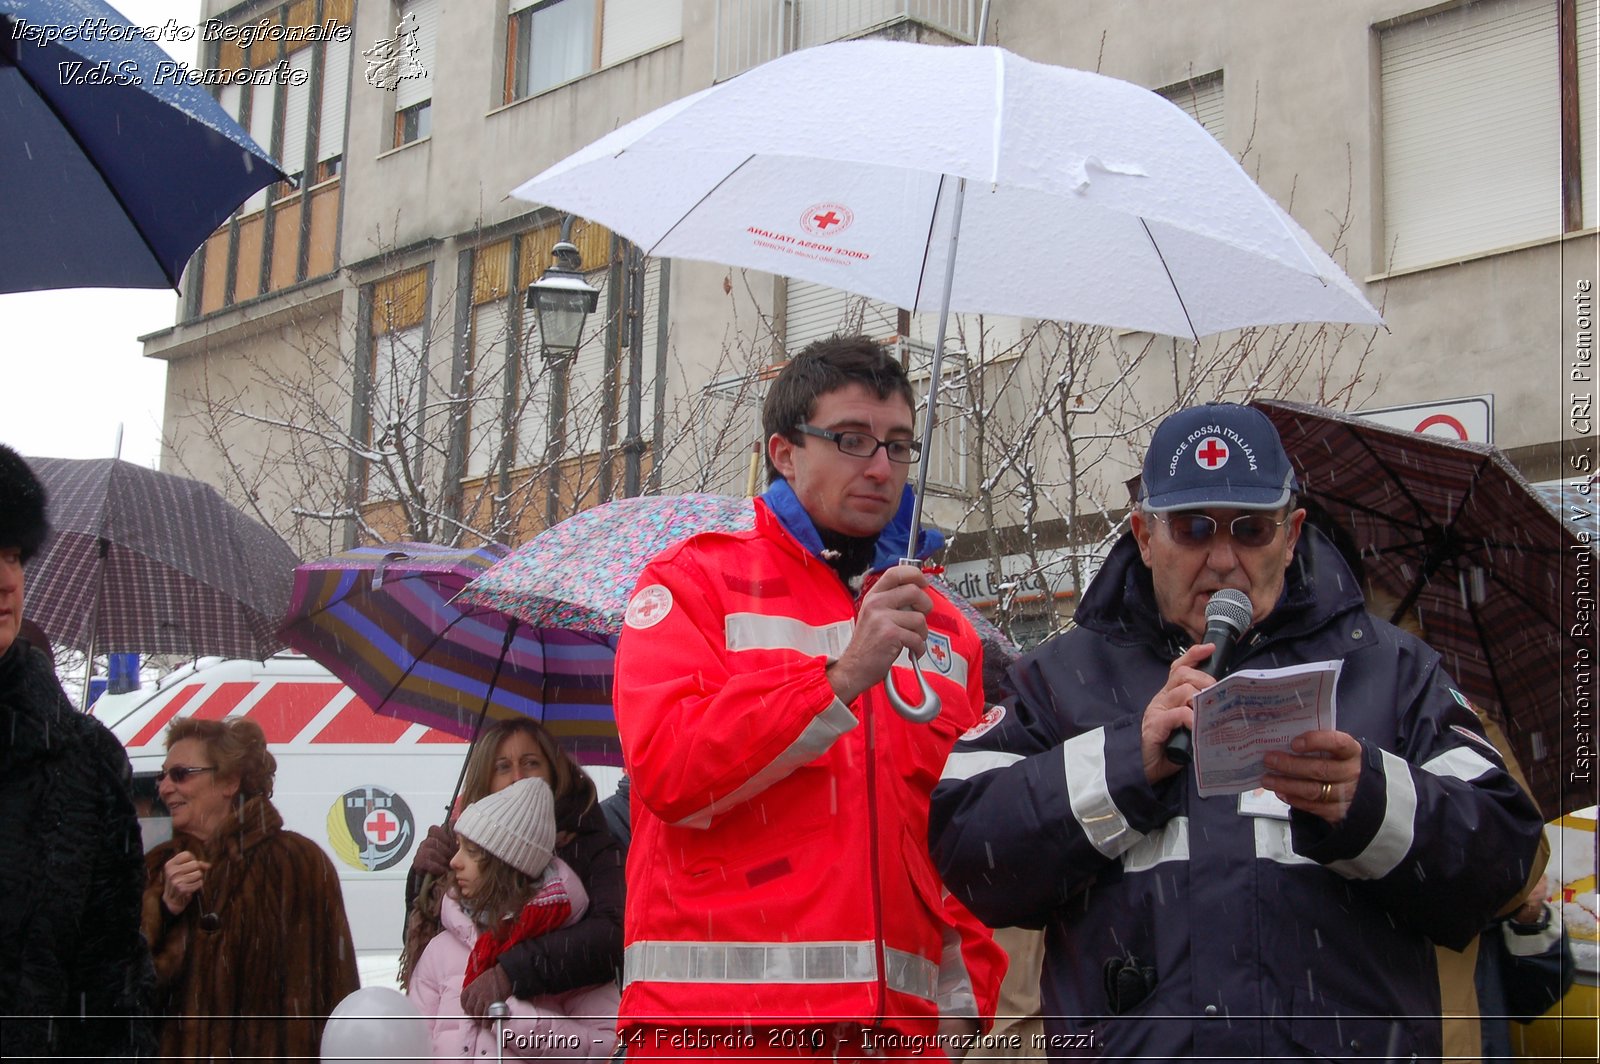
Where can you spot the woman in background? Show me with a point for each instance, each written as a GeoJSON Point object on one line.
{"type": "Point", "coordinates": [246, 921]}
{"type": "Point", "coordinates": [509, 889]}
{"type": "Point", "coordinates": [588, 952]}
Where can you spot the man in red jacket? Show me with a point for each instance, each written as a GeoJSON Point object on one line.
{"type": "Point", "coordinates": [781, 899]}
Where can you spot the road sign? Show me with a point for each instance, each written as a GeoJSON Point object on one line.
{"type": "Point", "coordinates": [1469, 418]}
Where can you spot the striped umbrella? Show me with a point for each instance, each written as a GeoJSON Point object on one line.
{"type": "Point", "coordinates": [386, 620]}
{"type": "Point", "coordinates": [1453, 532]}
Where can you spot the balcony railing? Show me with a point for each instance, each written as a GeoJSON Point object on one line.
{"type": "Point", "coordinates": [750, 32]}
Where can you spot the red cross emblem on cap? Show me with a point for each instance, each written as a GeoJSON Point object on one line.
{"type": "Point", "coordinates": [379, 825]}
{"type": "Point", "coordinates": [1212, 454]}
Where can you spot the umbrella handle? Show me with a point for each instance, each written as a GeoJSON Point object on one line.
{"type": "Point", "coordinates": [931, 703]}
{"type": "Point", "coordinates": [916, 714]}
{"type": "Point", "coordinates": [498, 1013]}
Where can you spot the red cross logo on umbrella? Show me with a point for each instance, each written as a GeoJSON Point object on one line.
{"type": "Point", "coordinates": [826, 219]}
{"type": "Point", "coordinates": [1212, 454]}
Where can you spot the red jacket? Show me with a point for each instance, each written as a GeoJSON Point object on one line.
{"type": "Point", "coordinates": [779, 870]}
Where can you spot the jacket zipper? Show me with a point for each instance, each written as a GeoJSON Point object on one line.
{"type": "Point", "coordinates": [874, 862]}
{"type": "Point", "coordinates": [877, 878]}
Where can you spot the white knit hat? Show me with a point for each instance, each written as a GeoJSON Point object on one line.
{"type": "Point", "coordinates": [517, 825]}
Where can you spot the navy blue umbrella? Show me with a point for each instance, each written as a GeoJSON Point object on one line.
{"type": "Point", "coordinates": [113, 167]}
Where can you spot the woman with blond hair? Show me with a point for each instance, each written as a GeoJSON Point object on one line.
{"type": "Point", "coordinates": [245, 920]}
{"type": "Point", "coordinates": [586, 953]}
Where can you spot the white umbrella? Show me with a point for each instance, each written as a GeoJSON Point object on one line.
{"type": "Point", "coordinates": [1089, 199]}
{"type": "Point", "coordinates": [857, 165]}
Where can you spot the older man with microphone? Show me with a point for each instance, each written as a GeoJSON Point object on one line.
{"type": "Point", "coordinates": [1295, 921]}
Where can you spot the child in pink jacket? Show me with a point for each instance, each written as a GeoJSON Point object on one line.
{"type": "Point", "coordinates": [509, 887]}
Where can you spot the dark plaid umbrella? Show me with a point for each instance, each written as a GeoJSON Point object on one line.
{"type": "Point", "coordinates": [387, 620]}
{"type": "Point", "coordinates": [1453, 532]}
{"type": "Point", "coordinates": [149, 562]}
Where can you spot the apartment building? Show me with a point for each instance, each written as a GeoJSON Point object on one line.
{"type": "Point", "coordinates": [353, 355]}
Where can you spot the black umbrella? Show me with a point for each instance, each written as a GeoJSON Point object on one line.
{"type": "Point", "coordinates": [144, 561]}
{"type": "Point", "coordinates": [114, 168]}
{"type": "Point", "coordinates": [1457, 537]}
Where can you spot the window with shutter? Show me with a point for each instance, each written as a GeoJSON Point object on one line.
{"type": "Point", "coordinates": [335, 97]}
{"type": "Point", "coordinates": [948, 447]}
{"type": "Point", "coordinates": [548, 43]}
{"type": "Point", "coordinates": [552, 42]}
{"type": "Point", "coordinates": [263, 122]}
{"type": "Point", "coordinates": [1472, 145]}
{"type": "Point", "coordinates": [647, 355]}
{"type": "Point", "coordinates": [816, 311]}
{"type": "Point", "coordinates": [1588, 99]}
{"type": "Point", "coordinates": [1201, 98]}
{"type": "Point", "coordinates": [633, 27]}
{"type": "Point", "coordinates": [268, 251]}
{"type": "Point", "coordinates": [296, 115]}
{"type": "Point", "coordinates": [397, 369]}
{"type": "Point", "coordinates": [488, 386]}
{"type": "Point", "coordinates": [413, 96]}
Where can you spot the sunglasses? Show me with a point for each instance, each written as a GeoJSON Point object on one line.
{"type": "Point", "coordinates": [180, 773]}
{"type": "Point", "coordinates": [1197, 530]}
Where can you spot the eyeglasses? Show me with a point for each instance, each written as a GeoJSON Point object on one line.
{"type": "Point", "coordinates": [180, 773]}
{"type": "Point", "coordinates": [1197, 530]}
{"type": "Point", "coordinates": [862, 445]}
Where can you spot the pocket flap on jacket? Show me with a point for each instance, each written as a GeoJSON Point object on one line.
{"type": "Point", "coordinates": [1332, 1031]}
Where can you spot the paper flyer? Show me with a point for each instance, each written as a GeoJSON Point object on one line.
{"type": "Point", "coordinates": [1245, 716]}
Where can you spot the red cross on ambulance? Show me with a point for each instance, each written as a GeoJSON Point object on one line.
{"type": "Point", "coordinates": [380, 825]}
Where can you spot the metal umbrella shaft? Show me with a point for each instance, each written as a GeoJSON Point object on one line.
{"type": "Point", "coordinates": [103, 547]}
{"type": "Point", "coordinates": [926, 710]}
{"type": "Point", "coordinates": [483, 712]}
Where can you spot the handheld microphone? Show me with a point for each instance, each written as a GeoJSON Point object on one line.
{"type": "Point", "coordinates": [1227, 616]}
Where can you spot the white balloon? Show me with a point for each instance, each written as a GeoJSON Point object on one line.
{"type": "Point", "coordinates": [376, 1023]}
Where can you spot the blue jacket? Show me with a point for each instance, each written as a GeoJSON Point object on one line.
{"type": "Point", "coordinates": [1232, 935]}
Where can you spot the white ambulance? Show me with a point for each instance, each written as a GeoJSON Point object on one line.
{"type": "Point", "coordinates": [365, 787]}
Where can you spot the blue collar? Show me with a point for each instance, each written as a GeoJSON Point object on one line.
{"type": "Point", "coordinates": [785, 505]}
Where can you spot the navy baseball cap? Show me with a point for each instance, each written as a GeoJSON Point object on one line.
{"type": "Point", "coordinates": [1219, 454]}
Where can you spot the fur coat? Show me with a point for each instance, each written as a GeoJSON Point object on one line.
{"type": "Point", "coordinates": [70, 877]}
{"type": "Point", "coordinates": [264, 983]}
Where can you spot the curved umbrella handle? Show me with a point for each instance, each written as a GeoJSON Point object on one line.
{"type": "Point", "coordinates": [919, 714]}
{"type": "Point", "coordinates": [931, 703]}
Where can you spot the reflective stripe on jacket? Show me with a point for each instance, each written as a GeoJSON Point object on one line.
{"type": "Point", "coordinates": [1239, 931]}
{"type": "Point", "coordinates": [779, 867]}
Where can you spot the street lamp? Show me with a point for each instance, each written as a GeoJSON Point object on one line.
{"type": "Point", "coordinates": [561, 299]}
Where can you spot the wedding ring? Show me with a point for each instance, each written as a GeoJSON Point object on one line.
{"type": "Point", "coordinates": [1327, 789]}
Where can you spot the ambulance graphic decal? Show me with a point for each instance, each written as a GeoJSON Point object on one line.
{"type": "Point", "coordinates": [370, 828]}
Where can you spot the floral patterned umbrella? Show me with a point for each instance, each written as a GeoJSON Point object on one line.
{"type": "Point", "coordinates": [387, 620]}
{"type": "Point", "coordinates": [580, 573]}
